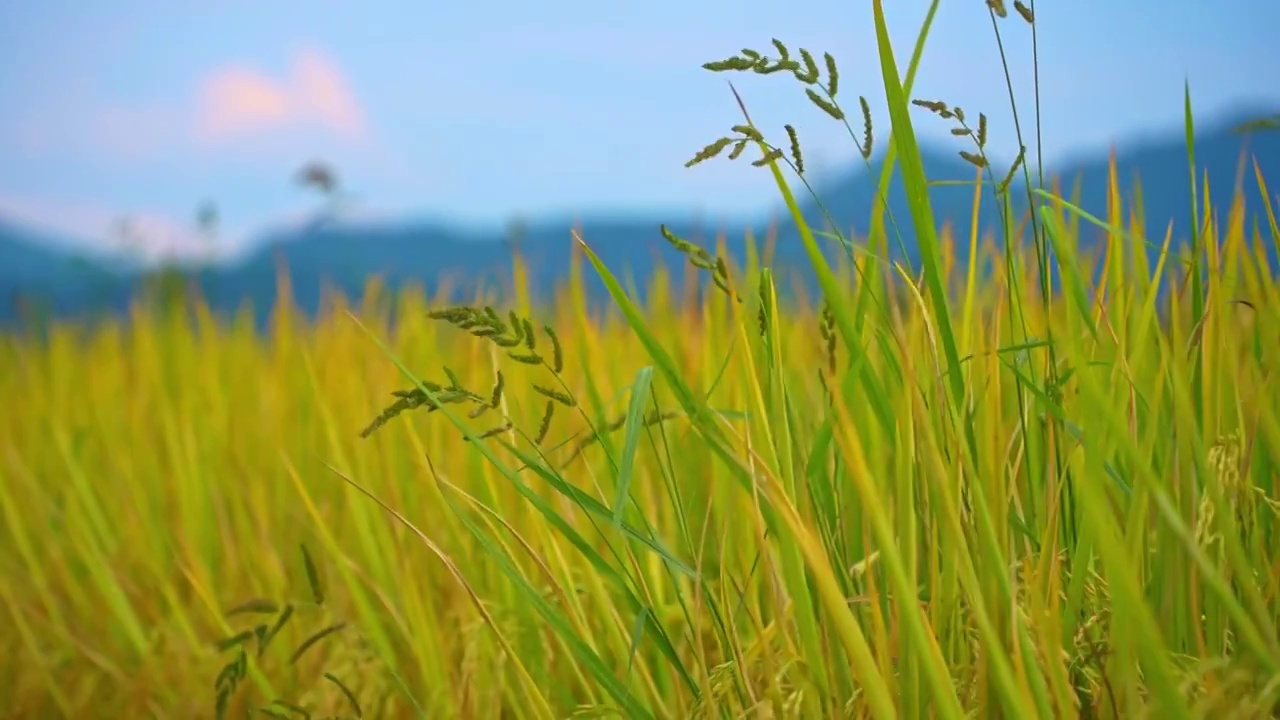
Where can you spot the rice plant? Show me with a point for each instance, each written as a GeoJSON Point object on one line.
{"type": "Point", "coordinates": [930, 492]}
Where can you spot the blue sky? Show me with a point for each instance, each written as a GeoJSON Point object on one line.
{"type": "Point", "coordinates": [475, 113]}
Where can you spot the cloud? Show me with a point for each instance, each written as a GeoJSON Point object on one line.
{"type": "Point", "coordinates": [238, 101]}
{"type": "Point", "coordinates": [236, 105]}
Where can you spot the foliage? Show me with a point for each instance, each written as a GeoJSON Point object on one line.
{"type": "Point", "coordinates": [933, 492]}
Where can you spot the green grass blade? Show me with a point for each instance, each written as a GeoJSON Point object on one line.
{"type": "Point", "coordinates": [631, 439]}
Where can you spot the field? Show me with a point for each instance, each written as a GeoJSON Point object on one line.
{"type": "Point", "coordinates": [929, 493]}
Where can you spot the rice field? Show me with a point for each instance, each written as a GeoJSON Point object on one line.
{"type": "Point", "coordinates": [927, 492]}
{"type": "Point", "coordinates": [727, 522]}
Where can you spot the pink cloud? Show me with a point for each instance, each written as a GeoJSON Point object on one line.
{"type": "Point", "coordinates": [237, 101]}
{"type": "Point", "coordinates": [235, 104]}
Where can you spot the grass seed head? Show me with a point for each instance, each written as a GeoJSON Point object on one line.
{"type": "Point", "coordinates": [827, 329]}
{"type": "Point", "coordinates": [833, 75]}
{"type": "Point", "coordinates": [314, 639]}
{"type": "Point", "coordinates": [771, 156]}
{"type": "Point", "coordinates": [762, 315]}
{"type": "Point", "coordinates": [556, 395]}
{"type": "Point", "coordinates": [732, 64]}
{"type": "Point", "coordinates": [783, 53]}
{"type": "Point", "coordinates": [346, 692]}
{"type": "Point", "coordinates": [454, 383]}
{"type": "Point", "coordinates": [937, 107]}
{"type": "Point", "coordinates": [1026, 12]}
{"type": "Point", "coordinates": [496, 396]}
{"type": "Point", "coordinates": [824, 104]}
{"type": "Point", "coordinates": [544, 426]}
{"type": "Point", "coordinates": [257, 606]}
{"type": "Point", "coordinates": [530, 338]}
{"type": "Point", "coordinates": [415, 398]}
{"type": "Point", "coordinates": [865, 147]}
{"type": "Point", "coordinates": [810, 74]}
{"type": "Point", "coordinates": [491, 432]}
{"type": "Point", "coordinates": [796, 156]}
{"type": "Point", "coordinates": [1013, 170]}
{"type": "Point", "coordinates": [557, 352]}
{"type": "Point", "coordinates": [709, 152]}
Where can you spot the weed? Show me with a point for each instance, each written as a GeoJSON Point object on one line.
{"type": "Point", "coordinates": [232, 676]}
{"type": "Point", "coordinates": [913, 497]}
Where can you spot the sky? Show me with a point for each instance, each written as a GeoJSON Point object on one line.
{"type": "Point", "coordinates": [475, 114]}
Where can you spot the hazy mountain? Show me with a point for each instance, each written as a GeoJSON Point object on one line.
{"type": "Point", "coordinates": [35, 268]}
{"type": "Point", "coordinates": [422, 251]}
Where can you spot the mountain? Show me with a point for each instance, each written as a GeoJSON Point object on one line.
{"type": "Point", "coordinates": [344, 256]}
{"type": "Point", "coordinates": [36, 273]}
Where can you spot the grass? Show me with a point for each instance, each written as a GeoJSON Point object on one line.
{"type": "Point", "coordinates": [927, 493]}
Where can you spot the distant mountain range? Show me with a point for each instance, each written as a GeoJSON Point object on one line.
{"type": "Point", "coordinates": [343, 256]}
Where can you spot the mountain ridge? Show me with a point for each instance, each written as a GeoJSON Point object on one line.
{"type": "Point", "coordinates": [423, 250]}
